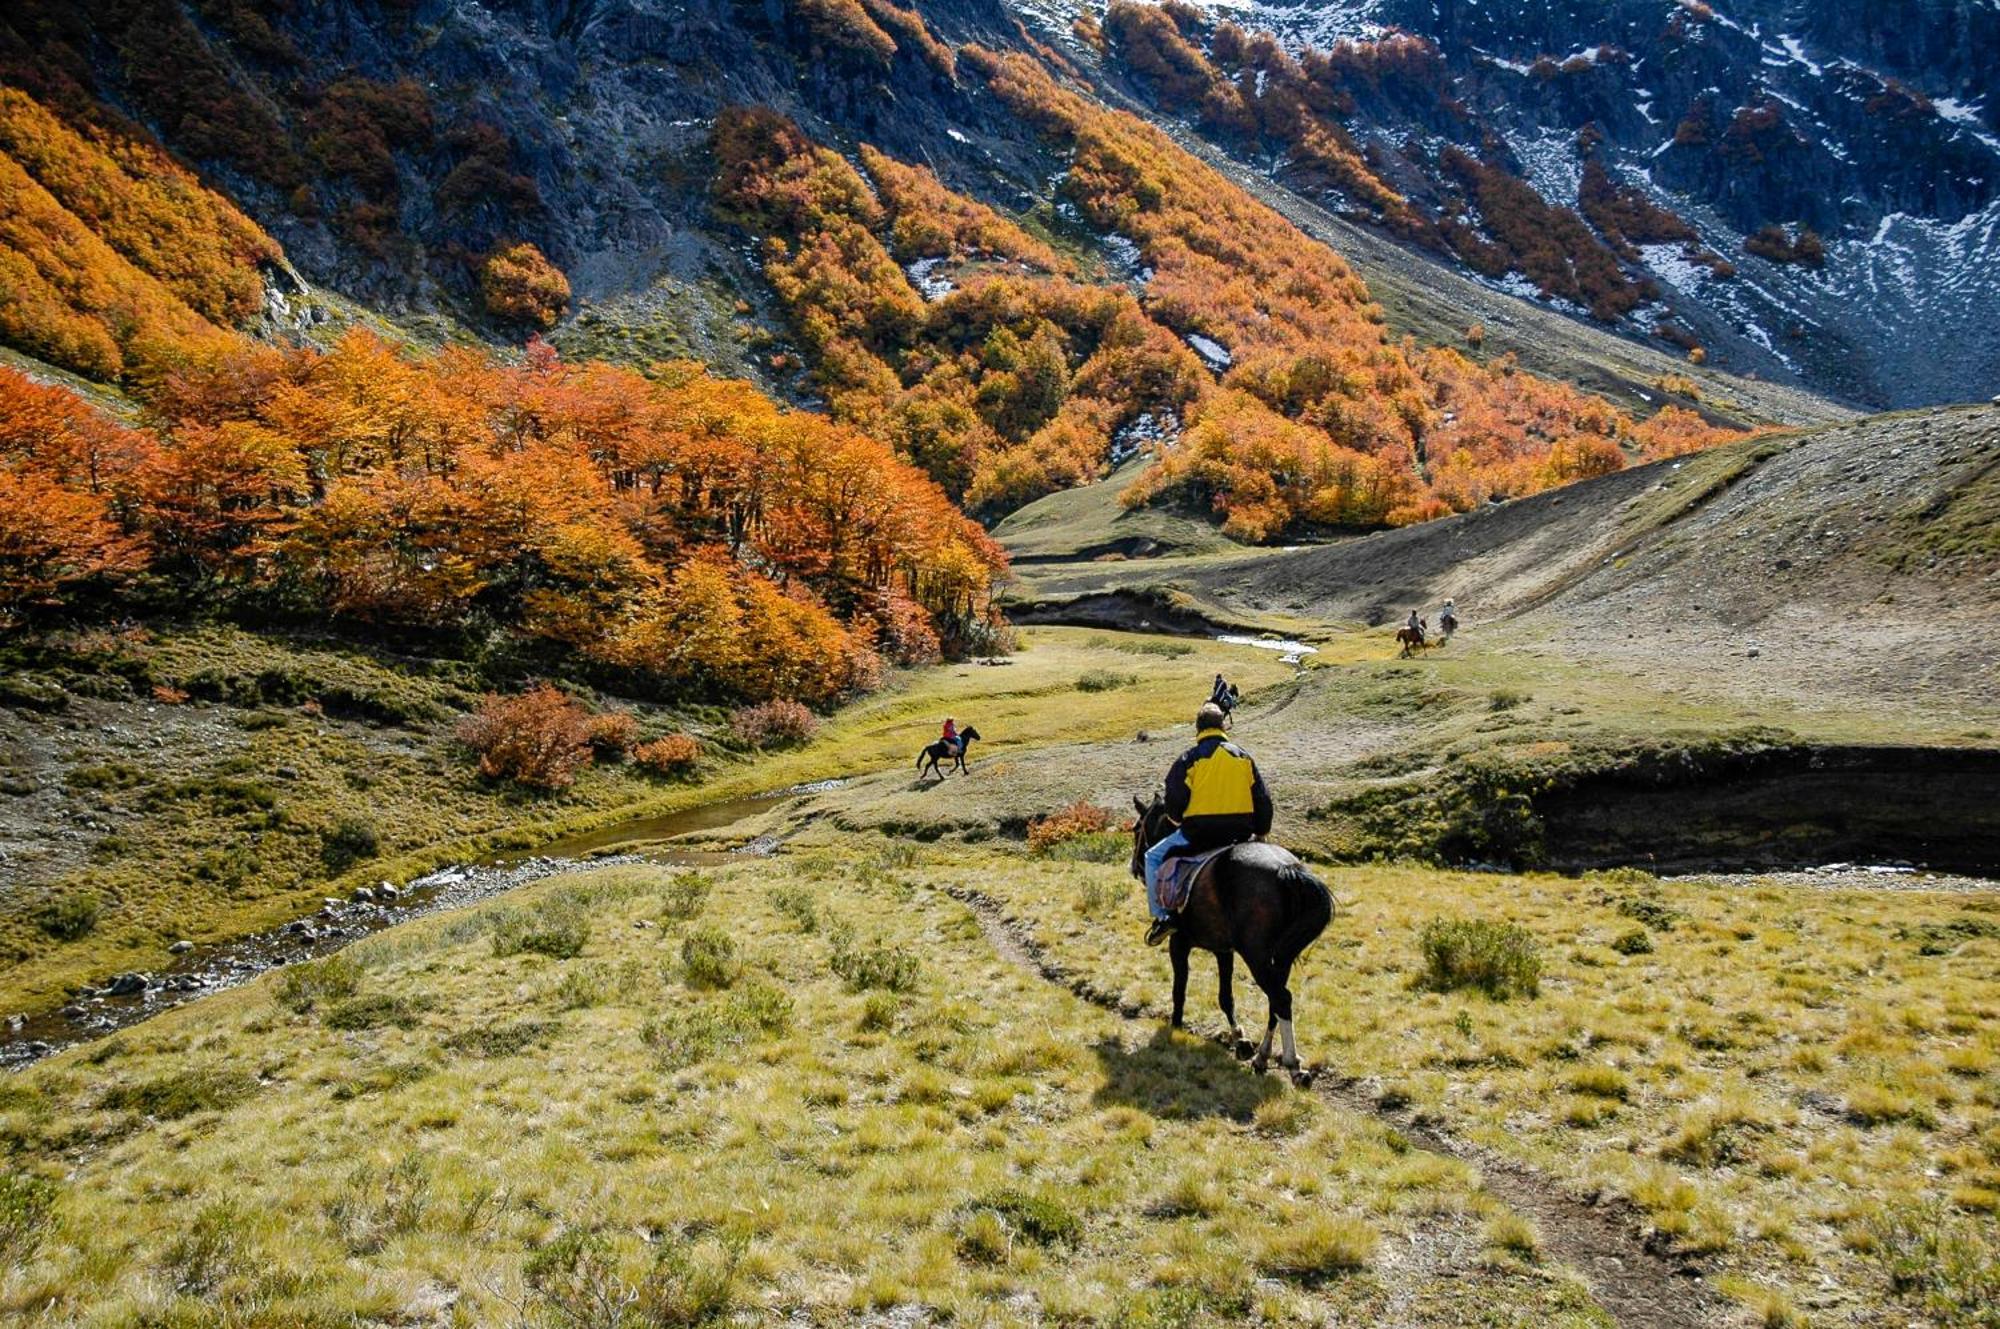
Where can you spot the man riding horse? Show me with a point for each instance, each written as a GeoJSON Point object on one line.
{"type": "Point", "coordinates": [1215, 797]}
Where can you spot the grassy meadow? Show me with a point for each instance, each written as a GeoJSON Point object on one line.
{"type": "Point", "coordinates": [814, 1087]}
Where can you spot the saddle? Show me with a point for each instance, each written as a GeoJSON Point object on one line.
{"type": "Point", "coordinates": [1177, 875]}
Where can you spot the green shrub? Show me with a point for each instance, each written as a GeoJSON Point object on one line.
{"type": "Point", "coordinates": [369, 1012]}
{"type": "Point", "coordinates": [207, 1249]}
{"type": "Point", "coordinates": [69, 916]}
{"type": "Point", "coordinates": [1499, 959]}
{"type": "Point", "coordinates": [764, 1005]}
{"type": "Point", "coordinates": [352, 840]}
{"type": "Point", "coordinates": [578, 1280]}
{"type": "Point", "coordinates": [500, 1040]}
{"type": "Point", "coordinates": [875, 965]}
{"type": "Point", "coordinates": [557, 927]}
{"type": "Point", "coordinates": [581, 986]}
{"type": "Point", "coordinates": [1638, 941]}
{"type": "Point", "coordinates": [181, 1093]}
{"type": "Point", "coordinates": [797, 903]}
{"type": "Point", "coordinates": [708, 958]}
{"type": "Point", "coordinates": [304, 986]}
{"type": "Point", "coordinates": [686, 1035]}
{"type": "Point", "coordinates": [1946, 1265]}
{"type": "Point", "coordinates": [25, 1202]}
{"type": "Point", "coordinates": [1104, 680]}
{"type": "Point", "coordinates": [1505, 699]}
{"type": "Point", "coordinates": [878, 1013]}
{"type": "Point", "coordinates": [1036, 1218]}
{"type": "Point", "coordinates": [1096, 847]}
{"type": "Point", "coordinates": [1652, 913]}
{"type": "Point", "coordinates": [686, 895]}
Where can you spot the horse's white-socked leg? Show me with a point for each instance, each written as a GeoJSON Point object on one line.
{"type": "Point", "coordinates": [1262, 1056]}
{"type": "Point", "coordinates": [1291, 1059]}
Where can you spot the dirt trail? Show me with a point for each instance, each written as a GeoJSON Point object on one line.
{"type": "Point", "coordinates": [1637, 1284]}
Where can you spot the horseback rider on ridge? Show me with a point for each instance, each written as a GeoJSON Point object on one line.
{"type": "Point", "coordinates": [1216, 797]}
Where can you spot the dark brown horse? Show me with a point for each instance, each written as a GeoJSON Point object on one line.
{"type": "Point", "coordinates": [943, 751]}
{"type": "Point", "coordinates": [1253, 900]}
{"type": "Point", "coordinates": [1413, 639]}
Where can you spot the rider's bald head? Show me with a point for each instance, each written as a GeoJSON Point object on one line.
{"type": "Point", "coordinates": [1209, 717]}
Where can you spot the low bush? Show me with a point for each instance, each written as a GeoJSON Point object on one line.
{"type": "Point", "coordinates": [304, 986]}
{"type": "Point", "coordinates": [558, 928]}
{"type": "Point", "coordinates": [1037, 1218]}
{"type": "Point", "coordinates": [611, 734]}
{"type": "Point", "coordinates": [1638, 941]}
{"type": "Point", "coordinates": [1078, 819]}
{"type": "Point", "coordinates": [500, 1040]}
{"type": "Point", "coordinates": [1499, 959]}
{"type": "Point", "coordinates": [522, 286]}
{"type": "Point", "coordinates": [874, 965]}
{"type": "Point", "coordinates": [774, 724]}
{"type": "Point", "coordinates": [351, 840]}
{"type": "Point", "coordinates": [69, 916]}
{"type": "Point", "coordinates": [181, 1093]}
{"type": "Point", "coordinates": [25, 1202]}
{"type": "Point", "coordinates": [1945, 1264]}
{"type": "Point", "coordinates": [686, 895]}
{"type": "Point", "coordinates": [1104, 680]}
{"type": "Point", "coordinates": [578, 1280]}
{"type": "Point", "coordinates": [684, 1036]}
{"type": "Point", "coordinates": [708, 958]}
{"type": "Point", "coordinates": [676, 754]}
{"type": "Point", "coordinates": [797, 903]}
{"type": "Point", "coordinates": [539, 738]}
{"type": "Point", "coordinates": [369, 1012]}
{"type": "Point", "coordinates": [765, 1006]}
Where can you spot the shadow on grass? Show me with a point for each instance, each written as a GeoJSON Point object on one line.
{"type": "Point", "coordinates": [1180, 1077]}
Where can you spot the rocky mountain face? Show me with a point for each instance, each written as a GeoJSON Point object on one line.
{"type": "Point", "coordinates": [1842, 158]}
{"type": "Point", "coordinates": [1811, 191]}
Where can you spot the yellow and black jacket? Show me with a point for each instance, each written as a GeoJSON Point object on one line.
{"type": "Point", "coordinates": [1216, 794]}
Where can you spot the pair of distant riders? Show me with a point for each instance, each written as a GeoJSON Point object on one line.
{"type": "Point", "coordinates": [1447, 620]}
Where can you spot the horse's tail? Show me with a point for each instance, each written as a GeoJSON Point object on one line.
{"type": "Point", "coordinates": [921, 756]}
{"type": "Point", "coordinates": [1309, 908]}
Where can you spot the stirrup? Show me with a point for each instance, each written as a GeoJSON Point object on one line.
{"type": "Point", "coordinates": [1162, 929]}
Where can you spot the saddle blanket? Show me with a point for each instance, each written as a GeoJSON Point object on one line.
{"type": "Point", "coordinates": [1177, 876]}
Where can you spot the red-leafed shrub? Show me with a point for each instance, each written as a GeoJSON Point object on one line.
{"type": "Point", "coordinates": [521, 284]}
{"type": "Point", "coordinates": [539, 738]}
{"type": "Point", "coordinates": [612, 734]}
{"type": "Point", "coordinates": [1079, 818]}
{"type": "Point", "coordinates": [774, 724]}
{"type": "Point", "coordinates": [676, 754]}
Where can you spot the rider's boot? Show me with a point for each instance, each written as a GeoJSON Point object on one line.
{"type": "Point", "coordinates": [1162, 929]}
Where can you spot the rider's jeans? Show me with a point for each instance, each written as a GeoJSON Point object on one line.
{"type": "Point", "coordinates": [1154, 858]}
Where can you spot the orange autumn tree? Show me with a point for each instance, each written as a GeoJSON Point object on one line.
{"type": "Point", "coordinates": [67, 476]}
{"type": "Point", "coordinates": [680, 526]}
{"type": "Point", "coordinates": [521, 285]}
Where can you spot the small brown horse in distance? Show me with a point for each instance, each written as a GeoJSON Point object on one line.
{"type": "Point", "coordinates": [928, 759]}
{"type": "Point", "coordinates": [1254, 900]}
{"type": "Point", "coordinates": [1413, 639]}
